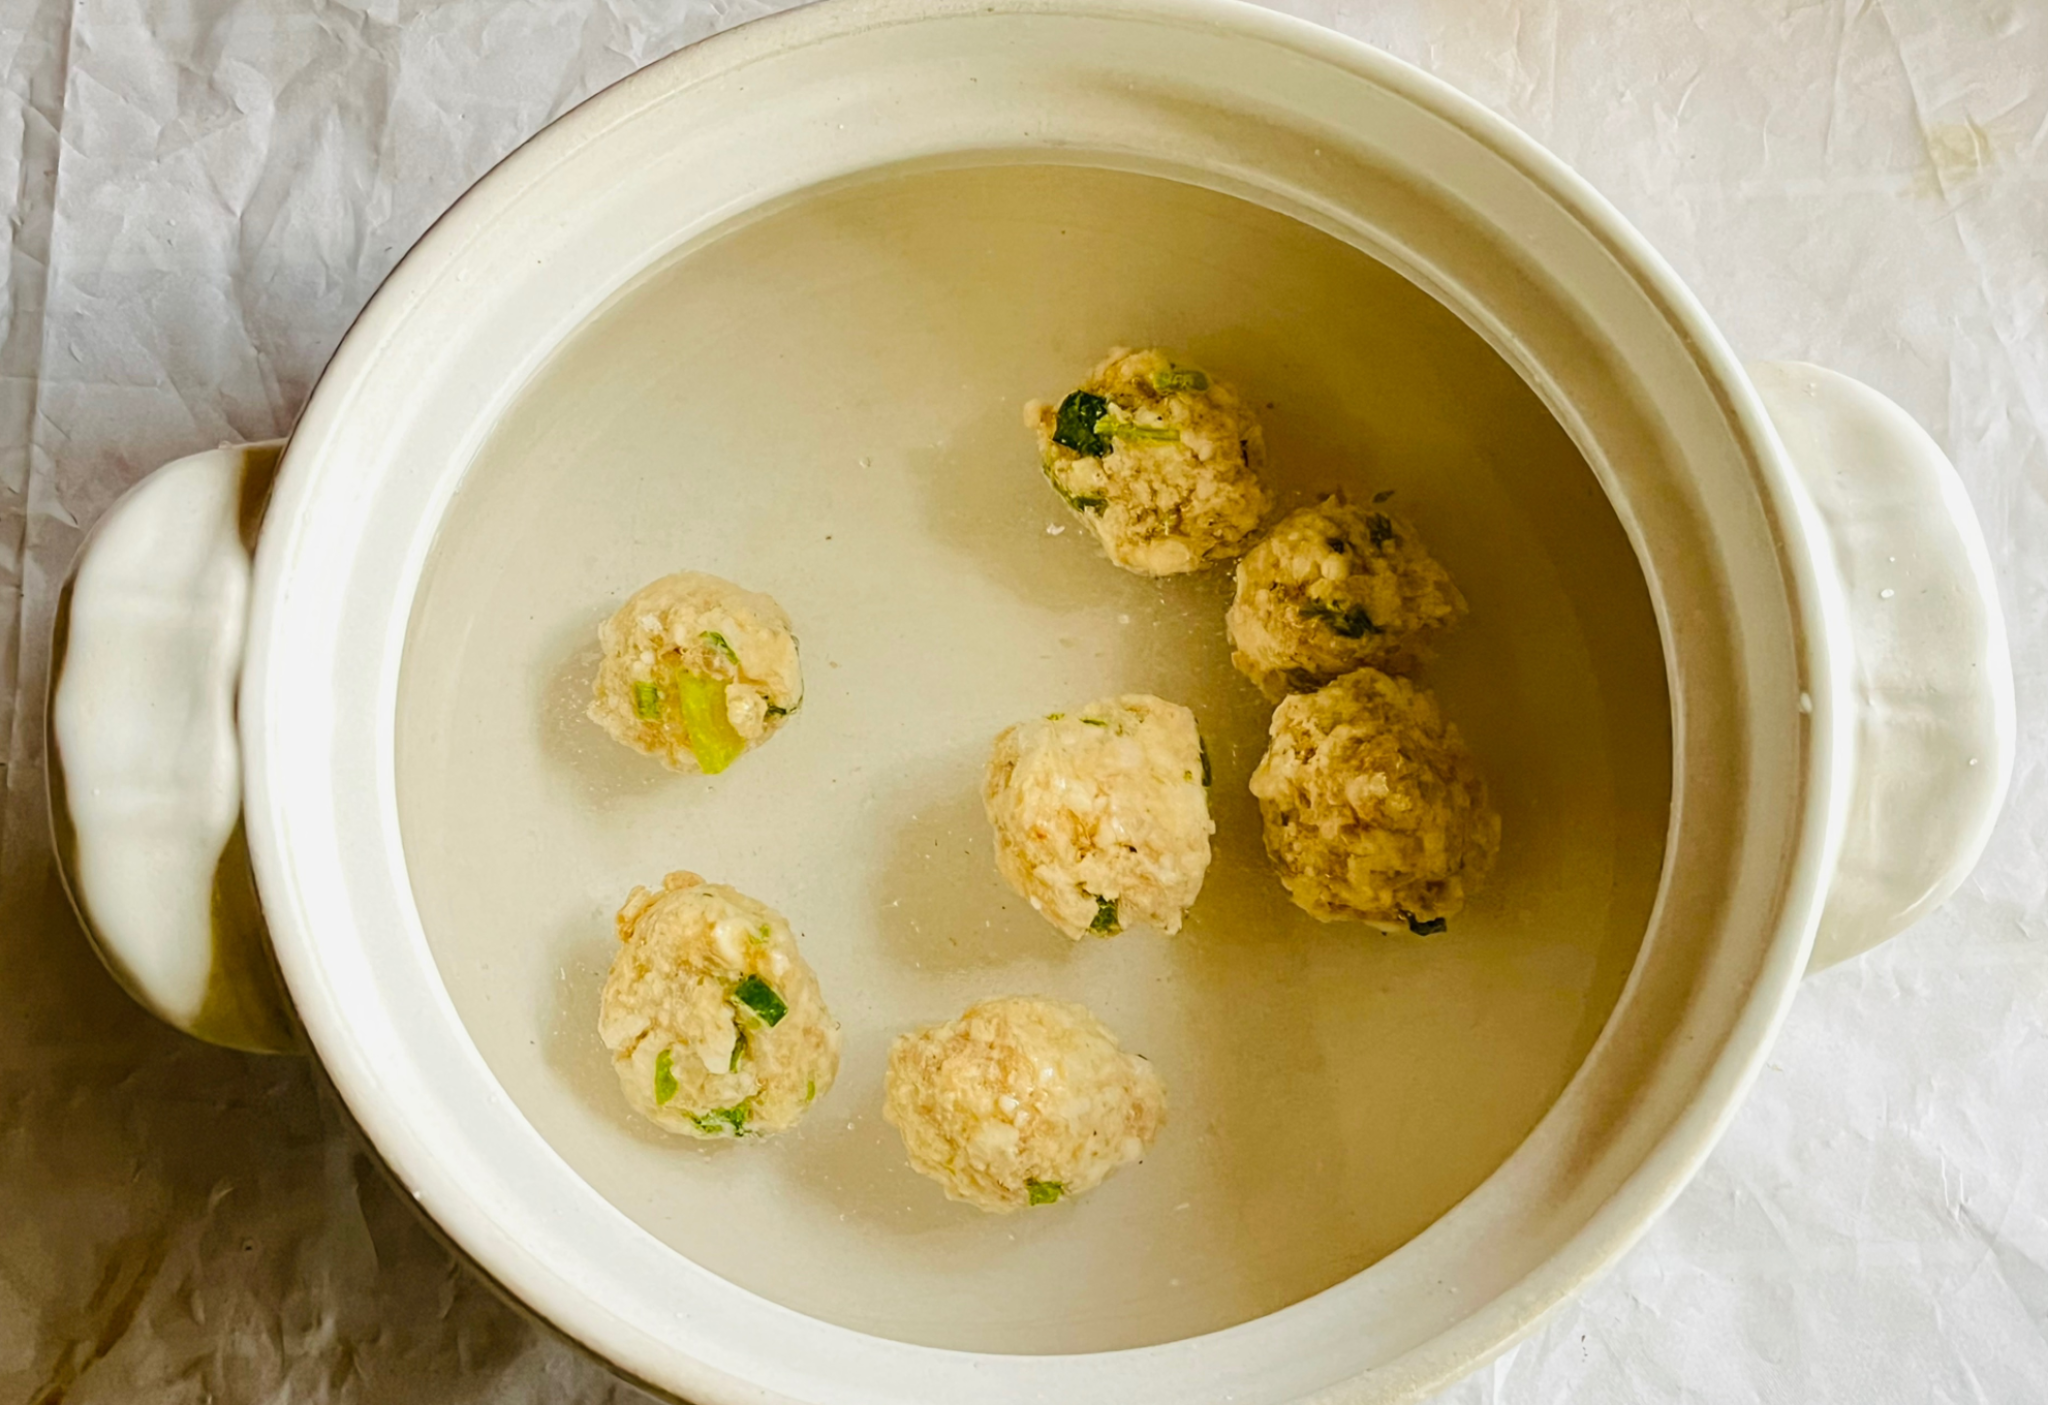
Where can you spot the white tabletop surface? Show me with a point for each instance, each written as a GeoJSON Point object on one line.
{"type": "Point", "coordinates": [201, 195]}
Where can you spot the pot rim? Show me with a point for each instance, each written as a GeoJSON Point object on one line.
{"type": "Point", "coordinates": [1803, 554]}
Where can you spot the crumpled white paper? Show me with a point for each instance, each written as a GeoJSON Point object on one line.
{"type": "Point", "coordinates": [204, 192]}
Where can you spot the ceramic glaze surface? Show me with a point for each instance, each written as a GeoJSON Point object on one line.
{"type": "Point", "coordinates": [145, 774]}
{"type": "Point", "coordinates": [406, 713]}
{"type": "Point", "coordinates": [440, 373]}
{"type": "Point", "coordinates": [437, 937]}
{"type": "Point", "coordinates": [824, 403]}
{"type": "Point", "coordinates": [1933, 676]}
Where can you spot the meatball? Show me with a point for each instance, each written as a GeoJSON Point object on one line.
{"type": "Point", "coordinates": [1373, 807]}
{"type": "Point", "coordinates": [696, 671]}
{"type": "Point", "coordinates": [1160, 460]}
{"type": "Point", "coordinates": [1334, 588]}
{"type": "Point", "coordinates": [1020, 1101]}
{"type": "Point", "coordinates": [715, 1022]}
{"type": "Point", "coordinates": [1102, 815]}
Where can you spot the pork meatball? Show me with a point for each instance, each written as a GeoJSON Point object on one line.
{"type": "Point", "coordinates": [1373, 807]}
{"type": "Point", "coordinates": [1102, 815]}
{"type": "Point", "coordinates": [696, 671]}
{"type": "Point", "coordinates": [715, 1022]}
{"type": "Point", "coordinates": [1333, 588]}
{"type": "Point", "coordinates": [1160, 460]}
{"type": "Point", "coordinates": [1020, 1102]}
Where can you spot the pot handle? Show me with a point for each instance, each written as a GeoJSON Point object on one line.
{"type": "Point", "coordinates": [145, 771]}
{"type": "Point", "coordinates": [1930, 678]}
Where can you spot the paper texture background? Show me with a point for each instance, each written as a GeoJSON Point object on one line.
{"type": "Point", "coordinates": [202, 194]}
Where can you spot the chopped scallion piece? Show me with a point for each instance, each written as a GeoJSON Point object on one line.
{"type": "Point", "coordinates": [739, 1049]}
{"type": "Point", "coordinates": [1078, 425]}
{"type": "Point", "coordinates": [711, 736]}
{"type": "Point", "coordinates": [1348, 621]}
{"type": "Point", "coordinates": [1180, 378]}
{"type": "Point", "coordinates": [760, 997]}
{"type": "Point", "coordinates": [811, 1090]}
{"type": "Point", "coordinates": [1203, 743]}
{"type": "Point", "coordinates": [1425, 929]}
{"type": "Point", "coordinates": [1094, 722]}
{"type": "Point", "coordinates": [717, 641]}
{"type": "Point", "coordinates": [1044, 1192]}
{"type": "Point", "coordinates": [1383, 495]}
{"type": "Point", "coordinates": [1138, 433]}
{"type": "Point", "coordinates": [664, 1079]}
{"type": "Point", "coordinates": [1105, 923]}
{"type": "Point", "coordinates": [1379, 528]}
{"type": "Point", "coordinates": [721, 1120]}
{"type": "Point", "coordinates": [647, 702]}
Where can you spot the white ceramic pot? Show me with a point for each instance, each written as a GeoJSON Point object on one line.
{"type": "Point", "coordinates": [768, 307]}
